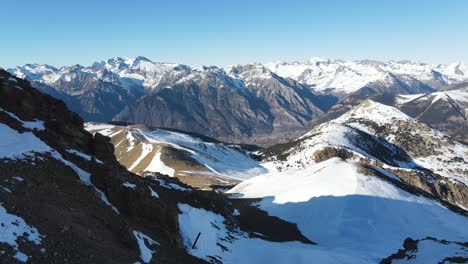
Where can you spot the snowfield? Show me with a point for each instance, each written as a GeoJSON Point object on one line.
{"type": "Point", "coordinates": [157, 165]}
{"type": "Point", "coordinates": [18, 145]}
{"type": "Point", "coordinates": [234, 246]}
{"type": "Point", "coordinates": [348, 213]}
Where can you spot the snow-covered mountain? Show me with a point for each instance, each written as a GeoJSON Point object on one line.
{"type": "Point", "coordinates": [196, 161]}
{"type": "Point", "coordinates": [364, 183]}
{"type": "Point", "coordinates": [252, 103]}
{"type": "Point", "coordinates": [444, 110]}
{"type": "Point", "coordinates": [354, 190]}
{"type": "Point", "coordinates": [387, 139]}
{"type": "Point", "coordinates": [350, 76]}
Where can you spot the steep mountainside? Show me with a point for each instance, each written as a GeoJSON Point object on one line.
{"type": "Point", "coordinates": [205, 102]}
{"type": "Point", "coordinates": [196, 161]}
{"type": "Point", "coordinates": [253, 103]}
{"type": "Point", "coordinates": [65, 199]}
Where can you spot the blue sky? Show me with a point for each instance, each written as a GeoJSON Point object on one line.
{"type": "Point", "coordinates": [222, 32]}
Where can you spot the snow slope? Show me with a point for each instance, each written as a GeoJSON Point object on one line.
{"type": "Point", "coordinates": [218, 242]}
{"type": "Point", "coordinates": [454, 95]}
{"type": "Point", "coordinates": [217, 158]}
{"type": "Point", "coordinates": [221, 159]}
{"type": "Point", "coordinates": [348, 213]}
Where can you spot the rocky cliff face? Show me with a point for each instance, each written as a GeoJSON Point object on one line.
{"type": "Point", "coordinates": [64, 188]}
{"type": "Point", "coordinates": [247, 104]}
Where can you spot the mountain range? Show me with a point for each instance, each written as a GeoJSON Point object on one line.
{"type": "Point", "coordinates": [370, 185]}
{"type": "Point", "coordinates": [254, 103]}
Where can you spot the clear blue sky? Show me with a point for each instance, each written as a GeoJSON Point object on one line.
{"type": "Point", "coordinates": [206, 32]}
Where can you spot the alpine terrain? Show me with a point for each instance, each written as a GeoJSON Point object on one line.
{"type": "Point", "coordinates": [134, 161]}
{"type": "Point", "coordinates": [259, 104]}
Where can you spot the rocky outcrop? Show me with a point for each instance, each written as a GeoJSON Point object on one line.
{"type": "Point", "coordinates": [427, 250]}
{"type": "Point", "coordinates": [75, 194]}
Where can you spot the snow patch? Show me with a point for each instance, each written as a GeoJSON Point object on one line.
{"type": "Point", "coordinates": [12, 227]}
{"type": "Point", "coordinates": [168, 185]}
{"type": "Point", "coordinates": [153, 192]}
{"type": "Point", "coordinates": [144, 244]}
{"type": "Point", "coordinates": [146, 149]}
{"type": "Point", "coordinates": [18, 145]}
{"type": "Point", "coordinates": [129, 185]}
{"type": "Point", "coordinates": [157, 165]}
{"type": "Point", "coordinates": [32, 125]}
{"type": "Point", "coordinates": [84, 156]}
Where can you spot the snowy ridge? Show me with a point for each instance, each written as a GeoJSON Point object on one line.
{"type": "Point", "coordinates": [322, 74]}
{"type": "Point", "coordinates": [391, 131]}
{"type": "Point", "coordinates": [349, 76]}
{"type": "Point", "coordinates": [451, 95]}
{"type": "Point", "coordinates": [446, 160]}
